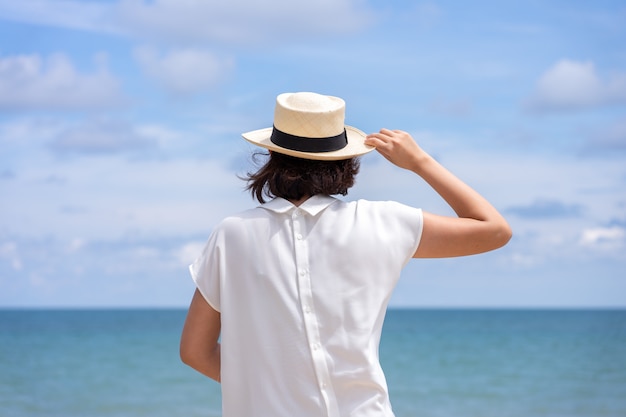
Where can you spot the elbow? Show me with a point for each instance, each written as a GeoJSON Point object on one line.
{"type": "Point", "coordinates": [496, 235]}
{"type": "Point", "coordinates": [207, 362]}
{"type": "Point", "coordinates": [503, 234]}
{"type": "Point", "coordinates": [186, 356]}
{"type": "Point", "coordinates": [192, 359]}
{"type": "Point", "coordinates": [189, 355]}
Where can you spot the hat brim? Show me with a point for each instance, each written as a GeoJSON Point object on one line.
{"type": "Point", "coordinates": [355, 146]}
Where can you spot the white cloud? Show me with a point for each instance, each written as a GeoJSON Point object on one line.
{"type": "Point", "coordinates": [101, 136]}
{"type": "Point", "coordinates": [52, 83]}
{"type": "Point", "coordinates": [241, 20]}
{"type": "Point", "coordinates": [523, 260]}
{"type": "Point", "coordinates": [572, 85]}
{"type": "Point", "coordinates": [9, 251]}
{"type": "Point", "coordinates": [23, 137]}
{"type": "Point", "coordinates": [72, 14]}
{"type": "Point", "coordinates": [26, 131]}
{"type": "Point", "coordinates": [603, 237]}
{"type": "Point", "coordinates": [183, 71]}
{"type": "Point", "coordinates": [197, 20]}
{"type": "Point", "coordinates": [76, 245]}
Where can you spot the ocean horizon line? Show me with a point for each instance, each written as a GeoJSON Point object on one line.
{"type": "Point", "coordinates": [390, 308]}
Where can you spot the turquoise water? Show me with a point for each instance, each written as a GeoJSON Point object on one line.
{"type": "Point", "coordinates": [506, 363]}
{"type": "Point", "coordinates": [438, 363]}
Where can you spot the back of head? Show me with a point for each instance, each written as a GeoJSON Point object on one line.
{"type": "Point", "coordinates": [294, 178]}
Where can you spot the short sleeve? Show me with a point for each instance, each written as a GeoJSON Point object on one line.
{"type": "Point", "coordinates": [414, 219]}
{"type": "Point", "coordinates": [206, 270]}
{"type": "Point", "coordinates": [398, 225]}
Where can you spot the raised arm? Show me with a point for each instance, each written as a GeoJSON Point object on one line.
{"type": "Point", "coordinates": [478, 228]}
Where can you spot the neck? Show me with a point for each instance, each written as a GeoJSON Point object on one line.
{"type": "Point", "coordinates": [299, 201]}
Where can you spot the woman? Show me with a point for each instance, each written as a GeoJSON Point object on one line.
{"type": "Point", "coordinates": [291, 295]}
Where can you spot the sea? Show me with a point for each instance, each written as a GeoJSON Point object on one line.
{"type": "Point", "coordinates": [439, 363]}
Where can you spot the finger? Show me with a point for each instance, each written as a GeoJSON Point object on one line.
{"type": "Point", "coordinates": [378, 135]}
{"type": "Point", "coordinates": [383, 135]}
{"type": "Point", "coordinates": [374, 140]}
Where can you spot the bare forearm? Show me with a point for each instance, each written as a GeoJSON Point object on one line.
{"type": "Point", "coordinates": [210, 365]}
{"type": "Point", "coordinates": [464, 200]}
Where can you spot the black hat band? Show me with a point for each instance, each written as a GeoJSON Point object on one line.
{"type": "Point", "coordinates": [304, 144]}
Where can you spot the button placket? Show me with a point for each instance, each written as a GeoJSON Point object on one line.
{"type": "Point", "coordinates": [310, 319]}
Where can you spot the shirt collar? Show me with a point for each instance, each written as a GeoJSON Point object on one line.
{"type": "Point", "coordinates": [312, 206]}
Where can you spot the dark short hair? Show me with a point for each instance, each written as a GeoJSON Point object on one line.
{"type": "Point", "coordinates": [293, 178]}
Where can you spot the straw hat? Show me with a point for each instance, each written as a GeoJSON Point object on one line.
{"type": "Point", "coordinates": [310, 126]}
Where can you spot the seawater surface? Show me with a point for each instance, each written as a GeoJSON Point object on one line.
{"type": "Point", "coordinates": [439, 363]}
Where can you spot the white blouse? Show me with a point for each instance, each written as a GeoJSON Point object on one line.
{"type": "Point", "coordinates": [302, 293]}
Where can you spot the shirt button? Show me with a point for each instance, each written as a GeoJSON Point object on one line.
{"type": "Point", "coordinates": [316, 346]}
{"type": "Point", "coordinates": [307, 309]}
{"type": "Point", "coordinates": [299, 236]}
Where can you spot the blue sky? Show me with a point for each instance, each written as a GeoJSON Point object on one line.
{"type": "Point", "coordinates": [120, 143]}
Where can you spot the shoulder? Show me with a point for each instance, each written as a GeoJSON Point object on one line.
{"type": "Point", "coordinates": [386, 208]}
{"type": "Point", "coordinates": [241, 219]}
{"type": "Point", "coordinates": [234, 224]}
{"type": "Point", "coordinates": [384, 225]}
{"type": "Point", "coordinates": [383, 213]}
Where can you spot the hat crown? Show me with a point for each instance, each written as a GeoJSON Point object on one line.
{"type": "Point", "coordinates": [309, 115]}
